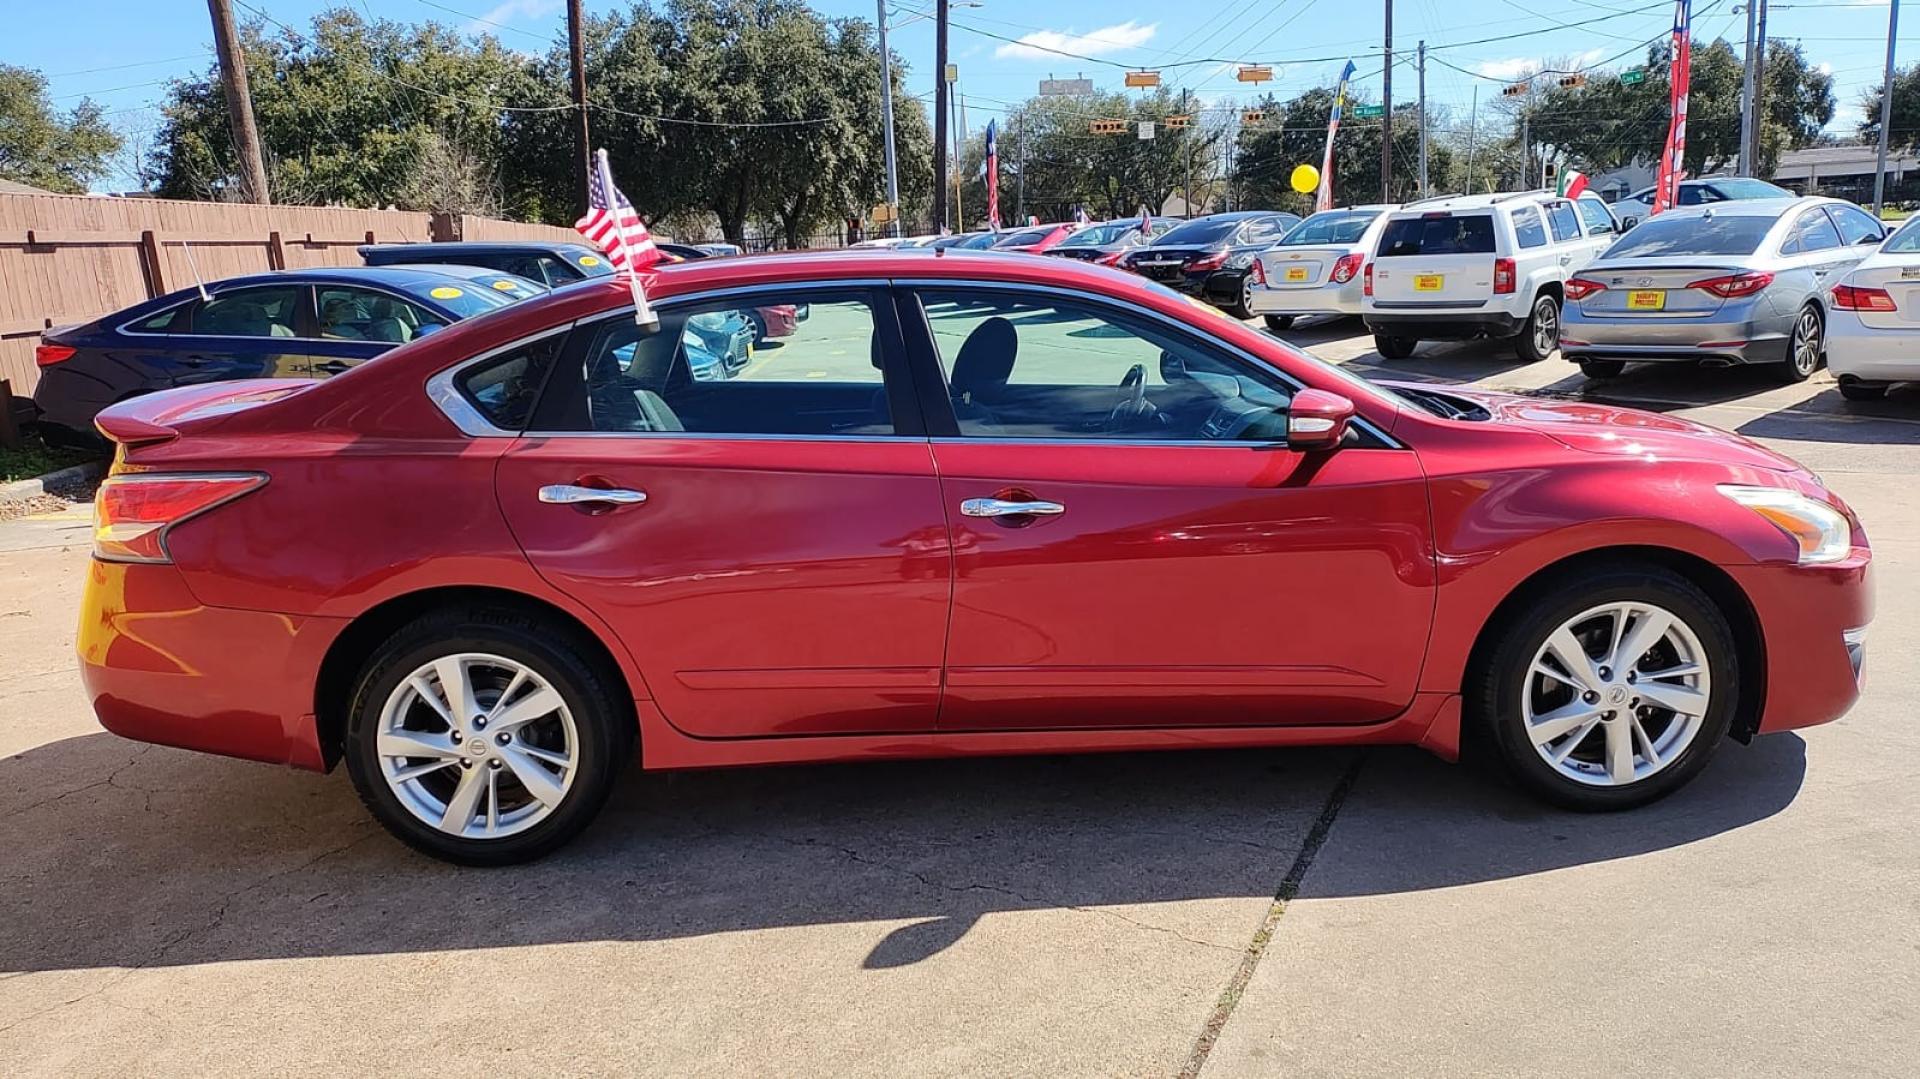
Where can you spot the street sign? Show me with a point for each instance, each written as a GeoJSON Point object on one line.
{"type": "Point", "coordinates": [1634, 76]}
{"type": "Point", "coordinates": [1143, 78]}
{"type": "Point", "coordinates": [953, 72]}
{"type": "Point", "coordinates": [1066, 87]}
{"type": "Point", "coordinates": [1369, 112]}
{"type": "Point", "coordinates": [1254, 73]}
{"type": "Point", "coordinates": [1146, 129]}
{"type": "Point", "coordinates": [884, 212]}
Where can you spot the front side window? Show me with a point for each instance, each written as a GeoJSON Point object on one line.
{"type": "Point", "coordinates": [1033, 367]}
{"type": "Point", "coordinates": [273, 311]}
{"type": "Point", "coordinates": [1565, 223]}
{"type": "Point", "coordinates": [699, 372]}
{"type": "Point", "coordinates": [1599, 220]}
{"type": "Point", "coordinates": [358, 314]}
{"type": "Point", "coordinates": [1856, 226]}
{"type": "Point", "coordinates": [1527, 229]}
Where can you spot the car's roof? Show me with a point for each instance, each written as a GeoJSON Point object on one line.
{"type": "Point", "coordinates": [1754, 207]}
{"type": "Point", "coordinates": [475, 247]}
{"type": "Point", "coordinates": [396, 276]}
{"type": "Point", "coordinates": [1473, 202]}
{"type": "Point", "coordinates": [457, 269]}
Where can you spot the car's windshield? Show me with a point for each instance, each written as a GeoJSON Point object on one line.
{"type": "Point", "coordinates": [1693, 234]}
{"type": "Point", "coordinates": [1330, 227]}
{"type": "Point", "coordinates": [1746, 187]}
{"type": "Point", "coordinates": [1100, 235]}
{"type": "Point", "coordinates": [1026, 236]}
{"type": "Point", "coordinates": [980, 242]}
{"type": "Point", "coordinates": [1207, 230]}
{"type": "Point", "coordinates": [1906, 239]}
{"type": "Point", "coordinates": [464, 299]}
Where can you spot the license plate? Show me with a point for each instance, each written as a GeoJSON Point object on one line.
{"type": "Point", "coordinates": [1429, 282]}
{"type": "Point", "coordinates": [1296, 273]}
{"type": "Point", "coordinates": [1653, 299]}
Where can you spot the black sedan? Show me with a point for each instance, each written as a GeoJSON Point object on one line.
{"type": "Point", "coordinates": [290, 324]}
{"type": "Point", "coordinates": [1210, 256]}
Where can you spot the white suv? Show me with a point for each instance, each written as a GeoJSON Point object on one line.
{"type": "Point", "coordinates": [1466, 266]}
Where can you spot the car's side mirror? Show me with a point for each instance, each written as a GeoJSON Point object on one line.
{"type": "Point", "coordinates": [1628, 222]}
{"type": "Point", "coordinates": [1317, 420]}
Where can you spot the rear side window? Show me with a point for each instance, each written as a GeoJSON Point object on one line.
{"type": "Point", "coordinates": [1566, 225]}
{"type": "Point", "coordinates": [171, 320]}
{"type": "Point", "coordinates": [1527, 229]}
{"type": "Point", "coordinates": [1445, 234]}
{"type": "Point", "coordinates": [1692, 234]}
{"type": "Point", "coordinates": [273, 311]}
{"type": "Point", "coordinates": [504, 387]}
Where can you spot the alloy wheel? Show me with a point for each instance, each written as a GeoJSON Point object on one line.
{"type": "Point", "coordinates": [477, 745]}
{"type": "Point", "coordinates": [1616, 694]}
{"type": "Point", "coordinates": [1546, 327]}
{"type": "Point", "coordinates": [1806, 342]}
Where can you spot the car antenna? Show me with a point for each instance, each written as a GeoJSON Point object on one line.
{"type": "Point", "coordinates": [205, 296]}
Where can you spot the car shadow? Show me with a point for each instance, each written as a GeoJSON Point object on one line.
{"type": "Point", "coordinates": [126, 857]}
{"type": "Point", "coordinates": [1445, 361]}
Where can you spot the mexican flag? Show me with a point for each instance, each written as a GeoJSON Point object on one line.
{"type": "Point", "coordinates": [1572, 182]}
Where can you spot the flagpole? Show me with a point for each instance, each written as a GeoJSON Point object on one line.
{"type": "Point", "coordinates": [642, 311]}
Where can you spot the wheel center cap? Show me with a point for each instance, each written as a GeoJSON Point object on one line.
{"type": "Point", "coordinates": [477, 747]}
{"type": "Point", "coordinates": [1617, 695]}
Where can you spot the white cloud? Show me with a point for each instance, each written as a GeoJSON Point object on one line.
{"type": "Point", "coordinates": [1049, 44]}
{"type": "Point", "coordinates": [1588, 57]}
{"type": "Point", "coordinates": [506, 12]}
{"type": "Point", "coordinates": [1512, 68]}
{"type": "Point", "coordinates": [1824, 68]}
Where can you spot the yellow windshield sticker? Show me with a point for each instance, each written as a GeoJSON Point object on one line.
{"type": "Point", "coordinates": [446, 292]}
{"type": "Point", "coordinates": [505, 285]}
{"type": "Point", "coordinates": [589, 260]}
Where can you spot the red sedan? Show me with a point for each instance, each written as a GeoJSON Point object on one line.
{"type": "Point", "coordinates": [975, 505]}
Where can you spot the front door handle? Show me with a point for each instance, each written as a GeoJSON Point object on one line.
{"type": "Point", "coordinates": [564, 494]}
{"type": "Point", "coordinates": [1000, 507]}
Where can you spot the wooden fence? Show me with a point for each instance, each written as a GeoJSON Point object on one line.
{"type": "Point", "coordinates": [71, 258]}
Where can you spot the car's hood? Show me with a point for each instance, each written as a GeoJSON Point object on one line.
{"type": "Point", "coordinates": [1613, 430]}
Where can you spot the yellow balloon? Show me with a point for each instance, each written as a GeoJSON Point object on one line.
{"type": "Point", "coordinates": [1306, 179]}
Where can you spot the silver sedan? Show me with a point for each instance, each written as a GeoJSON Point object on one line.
{"type": "Point", "coordinates": [1732, 283]}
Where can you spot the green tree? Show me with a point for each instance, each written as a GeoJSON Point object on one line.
{"type": "Point", "coordinates": [1904, 131]}
{"type": "Point", "coordinates": [40, 147]}
{"type": "Point", "coordinates": [1294, 133]}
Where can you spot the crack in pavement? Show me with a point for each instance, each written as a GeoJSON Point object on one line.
{"type": "Point", "coordinates": [96, 784]}
{"type": "Point", "coordinates": [1257, 947]}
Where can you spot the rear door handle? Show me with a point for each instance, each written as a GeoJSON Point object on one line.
{"type": "Point", "coordinates": [999, 507]}
{"type": "Point", "coordinates": [333, 367]}
{"type": "Point", "coordinates": [564, 494]}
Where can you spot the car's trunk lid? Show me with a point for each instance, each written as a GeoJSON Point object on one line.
{"type": "Point", "coordinates": [164, 416]}
{"type": "Point", "coordinates": [1655, 289]}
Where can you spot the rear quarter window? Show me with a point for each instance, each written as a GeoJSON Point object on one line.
{"type": "Point", "coordinates": [1448, 234]}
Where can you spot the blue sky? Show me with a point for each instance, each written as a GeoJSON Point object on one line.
{"type": "Point", "coordinates": [129, 48]}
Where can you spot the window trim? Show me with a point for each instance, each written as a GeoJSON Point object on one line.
{"type": "Point", "coordinates": [933, 380]}
{"type": "Point", "coordinates": [457, 407]}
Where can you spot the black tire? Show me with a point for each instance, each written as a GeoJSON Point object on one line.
{"type": "Point", "coordinates": [1804, 356]}
{"type": "Point", "coordinates": [592, 694]}
{"type": "Point", "coordinates": [1541, 335]}
{"type": "Point", "coordinates": [1394, 348]}
{"type": "Point", "coordinates": [1862, 391]}
{"type": "Point", "coordinates": [1599, 369]}
{"type": "Point", "coordinates": [1277, 323]}
{"type": "Point", "coordinates": [1502, 674]}
{"type": "Point", "coordinates": [1241, 308]}
{"type": "Point", "coordinates": [760, 337]}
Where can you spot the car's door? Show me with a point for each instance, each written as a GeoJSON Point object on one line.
{"type": "Point", "coordinates": [1135, 545]}
{"type": "Point", "coordinates": [770, 546]}
{"type": "Point", "coordinates": [1574, 246]}
{"type": "Point", "coordinates": [1860, 236]}
{"type": "Point", "coordinates": [1814, 253]}
{"type": "Point", "coordinates": [355, 324]}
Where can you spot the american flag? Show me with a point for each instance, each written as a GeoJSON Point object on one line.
{"type": "Point", "coordinates": [1146, 222]}
{"type": "Point", "coordinates": [1324, 200]}
{"type": "Point", "coordinates": [612, 224]}
{"type": "Point", "coordinates": [1666, 184]}
{"type": "Point", "coordinates": [993, 178]}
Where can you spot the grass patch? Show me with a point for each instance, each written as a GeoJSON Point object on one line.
{"type": "Point", "coordinates": [36, 458]}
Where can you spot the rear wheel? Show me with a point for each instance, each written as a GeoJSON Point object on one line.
{"type": "Point", "coordinates": [1855, 390]}
{"type": "Point", "coordinates": [1804, 346]}
{"type": "Point", "coordinates": [1243, 307]}
{"type": "Point", "coordinates": [1597, 369]}
{"type": "Point", "coordinates": [484, 737]}
{"type": "Point", "coordinates": [1610, 689]}
{"type": "Point", "coordinates": [1394, 348]}
{"type": "Point", "coordinates": [1277, 323]}
{"type": "Point", "coordinates": [1541, 335]}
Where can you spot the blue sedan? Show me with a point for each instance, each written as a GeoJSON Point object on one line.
{"type": "Point", "coordinates": [288, 324]}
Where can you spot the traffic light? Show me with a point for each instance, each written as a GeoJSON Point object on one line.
{"type": "Point", "coordinates": [1175, 123]}
{"type": "Point", "coordinates": [1513, 89]}
{"type": "Point", "coordinates": [1108, 127]}
{"type": "Point", "coordinates": [1568, 82]}
{"type": "Point", "coordinates": [1252, 116]}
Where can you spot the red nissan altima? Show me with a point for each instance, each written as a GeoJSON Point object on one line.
{"type": "Point", "coordinates": [973, 505]}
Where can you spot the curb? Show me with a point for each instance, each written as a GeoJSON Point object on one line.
{"type": "Point", "coordinates": [19, 490]}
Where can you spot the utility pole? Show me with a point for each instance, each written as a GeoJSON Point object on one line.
{"type": "Point", "coordinates": [939, 115]}
{"type": "Point", "coordinates": [886, 120]}
{"type": "Point", "coordinates": [959, 125]}
{"type": "Point", "coordinates": [1386, 114]}
{"type": "Point", "coordinates": [1473, 128]}
{"type": "Point", "coordinates": [1759, 104]}
{"type": "Point", "coordinates": [233, 82]}
{"type": "Point", "coordinates": [1526, 139]}
{"type": "Point", "coordinates": [1746, 96]}
{"type": "Point", "coordinates": [1423, 119]}
{"type": "Point", "coordinates": [1886, 112]}
{"type": "Point", "coordinates": [1183, 112]}
{"type": "Point", "coordinates": [1020, 153]}
{"type": "Point", "coordinates": [583, 142]}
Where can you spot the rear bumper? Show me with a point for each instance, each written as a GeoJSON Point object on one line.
{"type": "Point", "coordinates": [1856, 351]}
{"type": "Point", "coordinates": [1812, 620]}
{"type": "Point", "coordinates": [1326, 299]}
{"type": "Point", "coordinates": [1683, 340]}
{"type": "Point", "coordinates": [1434, 326]}
{"type": "Point", "coordinates": [161, 667]}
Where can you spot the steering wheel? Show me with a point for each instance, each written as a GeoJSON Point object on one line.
{"type": "Point", "coordinates": [1132, 405]}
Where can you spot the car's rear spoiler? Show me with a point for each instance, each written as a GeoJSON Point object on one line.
{"type": "Point", "coordinates": [157, 417]}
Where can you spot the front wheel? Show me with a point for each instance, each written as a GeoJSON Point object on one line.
{"type": "Point", "coordinates": [1610, 689]}
{"type": "Point", "coordinates": [1541, 335]}
{"type": "Point", "coordinates": [483, 737]}
{"type": "Point", "coordinates": [1394, 348]}
{"type": "Point", "coordinates": [1277, 323]}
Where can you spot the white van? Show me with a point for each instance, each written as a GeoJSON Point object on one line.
{"type": "Point", "coordinates": [1465, 266]}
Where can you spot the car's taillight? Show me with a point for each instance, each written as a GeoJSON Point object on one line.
{"type": "Point", "coordinates": [1114, 259]}
{"type": "Point", "coordinates": [133, 512]}
{"type": "Point", "coordinates": [1858, 298]}
{"type": "Point", "coordinates": [1579, 288]}
{"type": "Point", "coordinates": [1209, 262]}
{"type": "Point", "coordinates": [1736, 285]}
{"type": "Point", "coordinates": [1346, 267]}
{"type": "Point", "coordinates": [1366, 284]}
{"type": "Point", "coordinates": [48, 355]}
{"type": "Point", "coordinates": [1503, 277]}
{"type": "Point", "coordinates": [1258, 273]}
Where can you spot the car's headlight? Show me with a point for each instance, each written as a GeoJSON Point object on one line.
{"type": "Point", "coordinates": [1821, 531]}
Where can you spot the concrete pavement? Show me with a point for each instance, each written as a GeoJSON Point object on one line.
{"type": "Point", "coordinates": [165, 913]}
